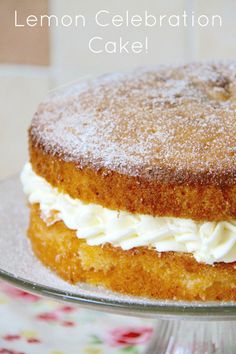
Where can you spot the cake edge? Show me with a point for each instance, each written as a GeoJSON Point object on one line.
{"type": "Point", "coordinates": [134, 194]}
{"type": "Point", "coordinates": [139, 272]}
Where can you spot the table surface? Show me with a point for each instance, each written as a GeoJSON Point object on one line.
{"type": "Point", "coordinates": [33, 325]}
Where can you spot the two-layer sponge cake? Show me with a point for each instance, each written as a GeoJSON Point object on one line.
{"type": "Point", "coordinates": [132, 182]}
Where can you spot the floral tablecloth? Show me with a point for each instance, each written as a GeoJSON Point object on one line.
{"type": "Point", "coordinates": [33, 325]}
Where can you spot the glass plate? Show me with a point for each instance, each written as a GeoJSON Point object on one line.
{"type": "Point", "coordinates": [19, 266]}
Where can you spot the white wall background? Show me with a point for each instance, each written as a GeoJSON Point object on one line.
{"type": "Point", "coordinates": [22, 88]}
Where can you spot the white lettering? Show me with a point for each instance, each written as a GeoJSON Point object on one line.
{"type": "Point", "coordinates": [48, 19]}
{"type": "Point", "coordinates": [91, 43]}
{"type": "Point", "coordinates": [149, 18]}
{"type": "Point", "coordinates": [117, 20]}
{"type": "Point", "coordinates": [185, 18]}
{"type": "Point", "coordinates": [123, 46]}
{"type": "Point", "coordinates": [175, 21]}
{"type": "Point", "coordinates": [137, 47]}
{"type": "Point", "coordinates": [64, 21]}
{"type": "Point", "coordinates": [216, 17]}
{"type": "Point", "coordinates": [162, 18]}
{"type": "Point", "coordinates": [16, 22]}
{"type": "Point", "coordinates": [136, 21]}
{"type": "Point", "coordinates": [98, 45]}
{"type": "Point", "coordinates": [31, 20]}
{"type": "Point", "coordinates": [110, 47]}
{"type": "Point", "coordinates": [203, 20]}
{"type": "Point", "coordinates": [80, 18]}
{"type": "Point", "coordinates": [97, 18]}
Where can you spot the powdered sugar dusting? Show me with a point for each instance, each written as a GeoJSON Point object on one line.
{"type": "Point", "coordinates": [173, 124]}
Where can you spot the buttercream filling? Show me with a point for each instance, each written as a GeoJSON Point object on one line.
{"type": "Point", "coordinates": [208, 242]}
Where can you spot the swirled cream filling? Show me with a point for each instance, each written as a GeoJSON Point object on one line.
{"type": "Point", "coordinates": [209, 242]}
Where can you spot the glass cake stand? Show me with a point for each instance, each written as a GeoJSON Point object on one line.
{"type": "Point", "coordinates": [181, 327]}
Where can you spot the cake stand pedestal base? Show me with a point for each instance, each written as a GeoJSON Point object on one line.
{"type": "Point", "coordinates": [193, 337]}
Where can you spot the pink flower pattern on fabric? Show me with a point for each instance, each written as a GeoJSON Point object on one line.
{"type": "Point", "coordinates": [36, 325]}
{"type": "Point", "coordinates": [129, 336]}
{"type": "Point", "coordinates": [18, 293]}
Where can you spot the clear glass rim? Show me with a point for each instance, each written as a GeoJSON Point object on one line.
{"type": "Point", "coordinates": [166, 308]}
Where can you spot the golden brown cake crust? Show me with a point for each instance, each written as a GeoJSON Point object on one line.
{"type": "Point", "coordinates": [136, 195]}
{"type": "Point", "coordinates": [155, 141]}
{"type": "Point", "coordinates": [140, 271]}
{"type": "Point", "coordinates": [174, 125]}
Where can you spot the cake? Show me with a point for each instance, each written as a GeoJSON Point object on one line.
{"type": "Point", "coordinates": [132, 182]}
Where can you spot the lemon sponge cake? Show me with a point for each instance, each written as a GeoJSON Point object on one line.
{"type": "Point", "coordinates": [132, 182]}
